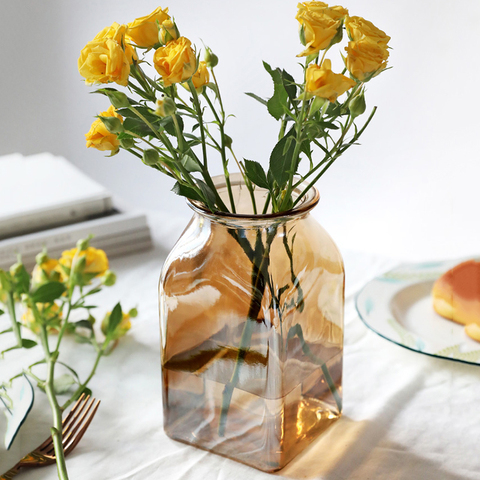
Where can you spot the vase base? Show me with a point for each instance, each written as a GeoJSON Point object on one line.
{"type": "Point", "coordinates": [267, 442]}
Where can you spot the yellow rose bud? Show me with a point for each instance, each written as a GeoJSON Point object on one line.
{"type": "Point", "coordinates": [176, 62]}
{"type": "Point", "coordinates": [168, 32]}
{"type": "Point", "coordinates": [50, 314]}
{"type": "Point", "coordinates": [366, 59]}
{"type": "Point", "coordinates": [200, 78]}
{"type": "Point", "coordinates": [359, 29]}
{"type": "Point", "coordinates": [122, 328]}
{"type": "Point", "coordinates": [99, 137]}
{"type": "Point", "coordinates": [109, 278]}
{"type": "Point", "coordinates": [96, 260]}
{"type": "Point", "coordinates": [104, 61]}
{"type": "Point", "coordinates": [210, 58]}
{"type": "Point", "coordinates": [165, 106]}
{"type": "Point", "coordinates": [323, 83]}
{"type": "Point", "coordinates": [144, 30]}
{"type": "Point", "coordinates": [117, 32]}
{"type": "Point", "coordinates": [45, 271]}
{"type": "Point", "coordinates": [320, 25]}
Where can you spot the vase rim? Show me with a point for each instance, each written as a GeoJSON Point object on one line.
{"type": "Point", "coordinates": [309, 201]}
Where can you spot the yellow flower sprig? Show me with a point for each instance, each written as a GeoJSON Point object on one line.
{"type": "Point", "coordinates": [55, 291]}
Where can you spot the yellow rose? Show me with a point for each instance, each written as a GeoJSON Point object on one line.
{"type": "Point", "coordinates": [359, 29]}
{"type": "Point", "coordinates": [200, 78]}
{"type": "Point", "coordinates": [45, 272]}
{"type": "Point", "coordinates": [50, 313]}
{"type": "Point", "coordinates": [323, 83]}
{"type": "Point", "coordinates": [96, 260]}
{"type": "Point", "coordinates": [320, 23]}
{"type": "Point", "coordinates": [117, 32]}
{"type": "Point", "coordinates": [366, 59]}
{"type": "Point", "coordinates": [99, 137]}
{"type": "Point", "coordinates": [168, 32]}
{"type": "Point", "coordinates": [144, 31]}
{"type": "Point", "coordinates": [103, 61]}
{"type": "Point", "coordinates": [176, 62]}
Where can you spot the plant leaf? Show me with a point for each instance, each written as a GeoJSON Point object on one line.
{"type": "Point", "coordinates": [281, 160]}
{"type": "Point", "coordinates": [26, 343]}
{"type": "Point", "coordinates": [255, 173]}
{"type": "Point", "coordinates": [186, 191]}
{"type": "Point", "coordinates": [63, 383]}
{"type": "Point", "coordinates": [114, 319]}
{"type": "Point", "coordinates": [289, 84]}
{"type": "Point", "coordinates": [278, 102]}
{"type": "Point", "coordinates": [257, 98]}
{"type": "Point", "coordinates": [190, 164]}
{"type": "Point", "coordinates": [48, 292]}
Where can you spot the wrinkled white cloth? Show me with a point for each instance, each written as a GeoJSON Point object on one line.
{"type": "Point", "coordinates": [406, 415]}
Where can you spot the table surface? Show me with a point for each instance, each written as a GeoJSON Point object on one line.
{"type": "Point", "coordinates": [406, 415]}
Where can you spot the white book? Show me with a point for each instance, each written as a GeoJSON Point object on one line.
{"type": "Point", "coordinates": [118, 234]}
{"type": "Point", "coordinates": [43, 191]}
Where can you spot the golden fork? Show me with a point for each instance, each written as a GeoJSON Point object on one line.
{"type": "Point", "coordinates": [75, 425]}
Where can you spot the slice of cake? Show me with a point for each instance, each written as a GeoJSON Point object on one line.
{"type": "Point", "coordinates": [456, 296]}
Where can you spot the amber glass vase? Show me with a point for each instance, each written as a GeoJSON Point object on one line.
{"type": "Point", "coordinates": [251, 313]}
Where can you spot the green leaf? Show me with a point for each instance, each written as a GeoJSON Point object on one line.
{"type": "Point", "coordinates": [137, 127]}
{"type": "Point", "coordinates": [207, 192]}
{"type": "Point", "coordinates": [289, 84]}
{"type": "Point", "coordinates": [21, 279]}
{"type": "Point", "coordinates": [1, 312]}
{"type": "Point", "coordinates": [257, 98]}
{"type": "Point", "coordinates": [82, 324]}
{"type": "Point", "coordinates": [169, 126]}
{"type": "Point", "coordinates": [186, 191]}
{"type": "Point", "coordinates": [256, 174]}
{"type": "Point", "coordinates": [48, 292]}
{"type": "Point", "coordinates": [277, 105]}
{"type": "Point", "coordinates": [114, 319]}
{"type": "Point", "coordinates": [26, 343]}
{"type": "Point", "coordinates": [63, 383]}
{"type": "Point", "coordinates": [281, 161]}
{"type": "Point", "coordinates": [190, 164]}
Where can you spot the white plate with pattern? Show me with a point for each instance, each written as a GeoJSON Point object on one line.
{"type": "Point", "coordinates": [398, 306]}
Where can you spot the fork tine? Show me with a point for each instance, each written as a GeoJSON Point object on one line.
{"type": "Point", "coordinates": [74, 421]}
{"type": "Point", "coordinates": [75, 411]}
{"type": "Point", "coordinates": [78, 437]}
{"type": "Point", "coordinates": [78, 423]}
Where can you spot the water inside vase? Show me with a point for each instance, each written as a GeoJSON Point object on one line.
{"type": "Point", "coordinates": [282, 400]}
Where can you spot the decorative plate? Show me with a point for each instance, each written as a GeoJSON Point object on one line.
{"type": "Point", "coordinates": [398, 306]}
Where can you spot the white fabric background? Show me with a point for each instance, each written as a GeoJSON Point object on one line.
{"type": "Point", "coordinates": [406, 415]}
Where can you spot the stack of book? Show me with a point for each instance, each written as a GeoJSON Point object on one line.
{"type": "Point", "coordinates": [46, 202]}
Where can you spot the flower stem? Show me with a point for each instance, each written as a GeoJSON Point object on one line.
{"type": "Point", "coordinates": [13, 318]}
{"type": "Point", "coordinates": [56, 430]}
{"type": "Point", "coordinates": [259, 279]}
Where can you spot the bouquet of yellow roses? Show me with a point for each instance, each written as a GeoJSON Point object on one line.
{"type": "Point", "coordinates": [169, 120]}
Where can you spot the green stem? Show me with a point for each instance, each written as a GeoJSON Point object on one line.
{"type": "Point", "coordinates": [296, 153]}
{"type": "Point", "coordinates": [206, 175]}
{"type": "Point", "coordinates": [259, 280]}
{"type": "Point", "coordinates": [56, 430]}
{"type": "Point", "coordinates": [13, 318]}
{"type": "Point", "coordinates": [221, 126]}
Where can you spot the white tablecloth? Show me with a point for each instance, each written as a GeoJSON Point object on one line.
{"type": "Point", "coordinates": [406, 415]}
